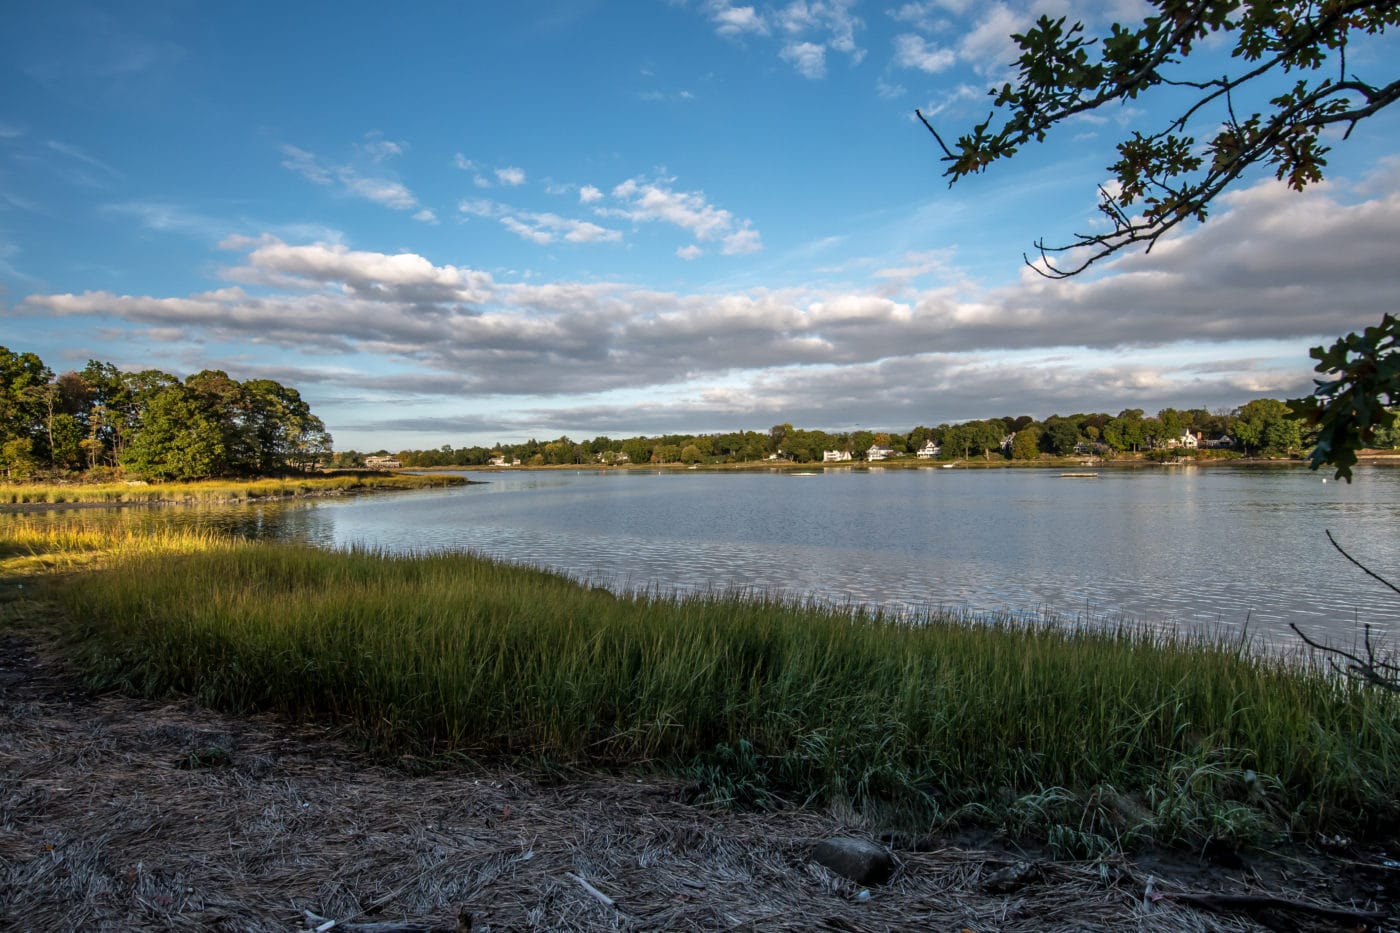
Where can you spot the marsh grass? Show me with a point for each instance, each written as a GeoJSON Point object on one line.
{"type": "Point", "coordinates": [217, 490]}
{"type": "Point", "coordinates": [1092, 738]}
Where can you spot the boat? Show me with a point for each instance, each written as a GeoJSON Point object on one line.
{"type": "Point", "coordinates": [1081, 475]}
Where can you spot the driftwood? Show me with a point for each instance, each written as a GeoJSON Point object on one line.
{"type": "Point", "coordinates": [321, 924]}
{"type": "Point", "coordinates": [1258, 903]}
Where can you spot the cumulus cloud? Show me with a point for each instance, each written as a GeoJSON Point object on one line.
{"type": "Point", "coordinates": [734, 21]}
{"type": "Point", "coordinates": [911, 51]}
{"type": "Point", "coordinates": [690, 252]}
{"type": "Point", "coordinates": [1272, 269]}
{"type": "Point", "coordinates": [426, 216]}
{"type": "Point", "coordinates": [510, 176]}
{"type": "Point", "coordinates": [806, 29]}
{"type": "Point", "coordinates": [589, 194]}
{"type": "Point", "coordinates": [807, 57]}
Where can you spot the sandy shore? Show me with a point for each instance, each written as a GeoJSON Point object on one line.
{"type": "Point", "coordinates": [123, 814]}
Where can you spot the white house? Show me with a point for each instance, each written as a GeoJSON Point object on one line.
{"type": "Point", "coordinates": [929, 451]}
{"type": "Point", "coordinates": [835, 456]}
{"type": "Point", "coordinates": [1187, 440]}
{"type": "Point", "coordinates": [382, 463]}
{"type": "Point", "coordinates": [876, 452]}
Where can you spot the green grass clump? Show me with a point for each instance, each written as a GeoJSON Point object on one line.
{"type": "Point", "coordinates": [216, 490]}
{"type": "Point", "coordinates": [1091, 737]}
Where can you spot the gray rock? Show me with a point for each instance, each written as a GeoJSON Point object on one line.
{"type": "Point", "coordinates": [860, 860]}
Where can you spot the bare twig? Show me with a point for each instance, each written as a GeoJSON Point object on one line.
{"type": "Point", "coordinates": [1364, 569]}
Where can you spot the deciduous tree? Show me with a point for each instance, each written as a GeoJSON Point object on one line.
{"type": "Point", "coordinates": [1291, 57]}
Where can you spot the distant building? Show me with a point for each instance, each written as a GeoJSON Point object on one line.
{"type": "Point", "coordinates": [876, 452]}
{"type": "Point", "coordinates": [835, 456]}
{"type": "Point", "coordinates": [929, 451]}
{"type": "Point", "coordinates": [1187, 440]}
{"type": "Point", "coordinates": [382, 463]}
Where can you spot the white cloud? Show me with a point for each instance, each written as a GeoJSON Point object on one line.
{"type": "Point", "coordinates": [886, 91]}
{"type": "Point", "coordinates": [742, 241]}
{"type": "Point", "coordinates": [930, 15]}
{"type": "Point", "coordinates": [649, 201]}
{"type": "Point", "coordinates": [479, 207]}
{"type": "Point", "coordinates": [911, 51]}
{"type": "Point", "coordinates": [378, 149]}
{"type": "Point", "coordinates": [306, 165]}
{"type": "Point", "coordinates": [690, 252]}
{"type": "Point", "coordinates": [426, 216]}
{"type": "Point", "coordinates": [544, 228]}
{"type": "Point", "coordinates": [988, 47]}
{"type": "Point", "coordinates": [807, 57]}
{"type": "Point", "coordinates": [732, 21]}
{"type": "Point", "coordinates": [462, 162]}
{"type": "Point", "coordinates": [589, 194]}
{"type": "Point", "coordinates": [1271, 269]}
{"type": "Point", "coordinates": [541, 228]}
{"type": "Point", "coordinates": [511, 176]}
{"type": "Point", "coordinates": [953, 98]}
{"type": "Point", "coordinates": [385, 191]}
{"type": "Point", "coordinates": [526, 232]}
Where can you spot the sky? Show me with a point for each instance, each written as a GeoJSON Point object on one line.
{"type": "Point", "coordinates": [470, 223]}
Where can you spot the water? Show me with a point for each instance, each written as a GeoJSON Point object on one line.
{"type": "Point", "coordinates": [1207, 548]}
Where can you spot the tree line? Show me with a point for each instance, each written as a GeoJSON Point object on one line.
{"type": "Point", "coordinates": [151, 423]}
{"type": "Point", "coordinates": [1264, 427]}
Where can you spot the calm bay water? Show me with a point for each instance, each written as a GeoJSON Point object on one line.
{"type": "Point", "coordinates": [1207, 548]}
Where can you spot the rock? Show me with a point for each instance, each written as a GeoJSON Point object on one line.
{"type": "Point", "coordinates": [1011, 878]}
{"type": "Point", "coordinates": [860, 860]}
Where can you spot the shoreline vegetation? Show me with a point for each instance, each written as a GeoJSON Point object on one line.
{"type": "Point", "coordinates": [1089, 740]}
{"type": "Point", "coordinates": [16, 496]}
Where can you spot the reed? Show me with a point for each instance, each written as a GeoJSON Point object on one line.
{"type": "Point", "coordinates": [216, 490]}
{"type": "Point", "coordinates": [1092, 737]}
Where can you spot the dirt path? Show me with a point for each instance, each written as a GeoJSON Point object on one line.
{"type": "Point", "coordinates": [121, 814]}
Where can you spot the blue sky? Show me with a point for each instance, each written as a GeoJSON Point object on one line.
{"type": "Point", "coordinates": [463, 223]}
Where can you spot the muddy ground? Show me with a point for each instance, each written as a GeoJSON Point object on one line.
{"type": "Point", "coordinates": [125, 814]}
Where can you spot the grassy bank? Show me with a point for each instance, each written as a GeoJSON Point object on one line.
{"type": "Point", "coordinates": [215, 490]}
{"type": "Point", "coordinates": [1089, 738]}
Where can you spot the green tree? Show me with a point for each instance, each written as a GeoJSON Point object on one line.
{"type": "Point", "coordinates": [1026, 444]}
{"type": "Point", "coordinates": [23, 381]}
{"type": "Point", "coordinates": [279, 432]}
{"type": "Point", "coordinates": [178, 439]}
{"type": "Point", "coordinates": [1126, 432]}
{"type": "Point", "coordinates": [1296, 50]}
{"type": "Point", "coordinates": [1061, 436]}
{"type": "Point", "coordinates": [17, 457]}
{"type": "Point", "coordinates": [1257, 427]}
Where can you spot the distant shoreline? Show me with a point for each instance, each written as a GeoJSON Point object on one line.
{"type": "Point", "coordinates": [1062, 463]}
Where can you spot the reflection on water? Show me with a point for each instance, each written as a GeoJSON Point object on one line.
{"type": "Point", "coordinates": [1206, 548]}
